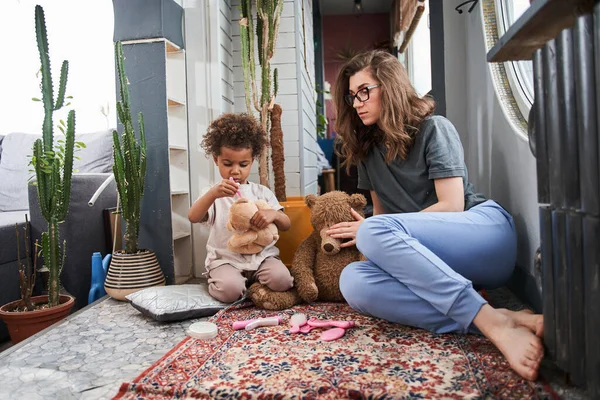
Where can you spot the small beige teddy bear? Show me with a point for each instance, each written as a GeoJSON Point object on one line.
{"type": "Point", "coordinates": [248, 239]}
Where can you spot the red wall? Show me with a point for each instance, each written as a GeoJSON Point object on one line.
{"type": "Point", "coordinates": [356, 32]}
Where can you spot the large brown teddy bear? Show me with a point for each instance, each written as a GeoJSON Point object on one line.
{"type": "Point", "coordinates": [319, 260]}
{"type": "Point", "coordinates": [246, 238]}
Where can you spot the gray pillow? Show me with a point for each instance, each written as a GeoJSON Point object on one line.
{"type": "Point", "coordinates": [14, 164]}
{"type": "Point", "coordinates": [176, 302]}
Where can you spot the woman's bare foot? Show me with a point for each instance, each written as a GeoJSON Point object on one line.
{"type": "Point", "coordinates": [521, 347]}
{"type": "Point", "coordinates": [526, 318]}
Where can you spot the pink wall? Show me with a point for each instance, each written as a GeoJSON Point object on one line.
{"type": "Point", "coordinates": [358, 33]}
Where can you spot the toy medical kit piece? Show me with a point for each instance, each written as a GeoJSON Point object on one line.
{"type": "Point", "coordinates": [238, 191]}
{"type": "Point", "coordinates": [270, 321]}
{"type": "Point", "coordinates": [237, 325]}
{"type": "Point", "coordinates": [317, 323]}
{"type": "Point", "coordinates": [203, 330]}
{"type": "Point", "coordinates": [296, 321]}
{"type": "Point", "coordinates": [332, 334]}
{"type": "Point", "coordinates": [338, 330]}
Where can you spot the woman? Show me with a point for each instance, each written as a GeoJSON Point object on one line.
{"type": "Point", "coordinates": [431, 237]}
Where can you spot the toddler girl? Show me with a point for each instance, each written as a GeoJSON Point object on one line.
{"type": "Point", "coordinates": [235, 141]}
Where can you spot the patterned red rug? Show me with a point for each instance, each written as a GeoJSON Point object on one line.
{"type": "Point", "coordinates": [374, 360]}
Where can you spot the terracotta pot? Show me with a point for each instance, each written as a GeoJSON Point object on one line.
{"type": "Point", "coordinates": [129, 273]}
{"type": "Point", "coordinates": [299, 214]}
{"type": "Point", "coordinates": [22, 325]}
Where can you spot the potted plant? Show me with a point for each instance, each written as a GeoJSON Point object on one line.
{"type": "Point", "coordinates": [131, 269]}
{"type": "Point", "coordinates": [268, 15]}
{"type": "Point", "coordinates": [30, 314]}
{"type": "Point", "coordinates": [53, 165]}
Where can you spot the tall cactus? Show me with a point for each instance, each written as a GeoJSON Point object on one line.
{"type": "Point", "coordinates": [53, 165]}
{"type": "Point", "coordinates": [129, 165]}
{"type": "Point", "coordinates": [268, 14]}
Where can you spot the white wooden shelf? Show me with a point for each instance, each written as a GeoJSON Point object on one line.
{"type": "Point", "coordinates": [175, 103]}
{"type": "Point", "coordinates": [180, 235]}
{"type": "Point", "coordinates": [178, 162]}
{"type": "Point", "coordinates": [172, 47]}
{"type": "Point", "coordinates": [182, 251]}
{"type": "Point", "coordinates": [180, 280]}
{"type": "Point", "coordinates": [178, 128]}
{"type": "Point", "coordinates": [176, 79]}
{"type": "Point", "coordinates": [178, 171]}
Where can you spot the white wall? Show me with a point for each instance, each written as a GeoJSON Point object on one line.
{"type": "Point", "coordinates": [297, 124]}
{"type": "Point", "coordinates": [307, 101]}
{"type": "Point", "coordinates": [497, 154]}
{"type": "Point", "coordinates": [225, 56]}
{"type": "Point", "coordinates": [73, 35]}
{"type": "Point", "coordinates": [209, 56]}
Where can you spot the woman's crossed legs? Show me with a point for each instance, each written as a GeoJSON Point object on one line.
{"type": "Point", "coordinates": [421, 271]}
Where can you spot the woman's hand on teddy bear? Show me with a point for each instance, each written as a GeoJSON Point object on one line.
{"type": "Point", "coordinates": [225, 188]}
{"type": "Point", "coordinates": [262, 218]}
{"type": "Point", "coordinates": [347, 230]}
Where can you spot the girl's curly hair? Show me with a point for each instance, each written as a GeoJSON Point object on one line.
{"type": "Point", "coordinates": [236, 131]}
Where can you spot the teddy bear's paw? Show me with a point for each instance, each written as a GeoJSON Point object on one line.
{"type": "Point", "coordinates": [308, 292]}
{"type": "Point", "coordinates": [265, 298]}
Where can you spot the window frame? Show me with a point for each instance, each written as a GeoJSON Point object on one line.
{"type": "Point", "coordinates": [514, 70]}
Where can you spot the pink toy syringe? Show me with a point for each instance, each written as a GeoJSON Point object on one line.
{"type": "Point", "coordinates": [233, 180]}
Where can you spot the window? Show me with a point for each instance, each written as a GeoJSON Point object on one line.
{"type": "Point", "coordinates": [86, 42]}
{"type": "Point", "coordinates": [520, 73]}
{"type": "Point", "coordinates": [419, 55]}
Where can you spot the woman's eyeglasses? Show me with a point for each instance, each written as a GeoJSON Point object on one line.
{"type": "Point", "coordinates": [362, 95]}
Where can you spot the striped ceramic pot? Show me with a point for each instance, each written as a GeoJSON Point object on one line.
{"type": "Point", "coordinates": [129, 273]}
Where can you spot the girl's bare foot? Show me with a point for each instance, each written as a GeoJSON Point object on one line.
{"type": "Point", "coordinates": [521, 347]}
{"type": "Point", "coordinates": [526, 318]}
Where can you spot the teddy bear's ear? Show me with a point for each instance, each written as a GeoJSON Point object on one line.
{"type": "Point", "coordinates": [358, 201]}
{"type": "Point", "coordinates": [310, 200]}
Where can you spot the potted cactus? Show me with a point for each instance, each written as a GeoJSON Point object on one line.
{"type": "Point", "coordinates": [268, 13]}
{"type": "Point", "coordinates": [53, 165]}
{"type": "Point", "coordinates": [131, 269]}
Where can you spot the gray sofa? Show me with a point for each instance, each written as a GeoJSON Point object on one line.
{"type": "Point", "coordinates": [83, 228]}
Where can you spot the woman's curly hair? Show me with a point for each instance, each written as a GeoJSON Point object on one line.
{"type": "Point", "coordinates": [236, 131]}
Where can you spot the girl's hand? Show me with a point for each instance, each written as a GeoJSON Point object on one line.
{"type": "Point", "coordinates": [225, 188]}
{"type": "Point", "coordinates": [262, 218]}
{"type": "Point", "coordinates": [346, 230]}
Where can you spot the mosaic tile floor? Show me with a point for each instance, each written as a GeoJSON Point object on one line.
{"type": "Point", "coordinates": [88, 356]}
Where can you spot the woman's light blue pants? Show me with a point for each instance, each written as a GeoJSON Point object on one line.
{"type": "Point", "coordinates": [422, 266]}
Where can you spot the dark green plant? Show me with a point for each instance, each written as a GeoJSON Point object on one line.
{"type": "Point", "coordinates": [129, 165]}
{"type": "Point", "coordinates": [53, 165]}
{"type": "Point", "coordinates": [321, 123]}
{"type": "Point", "coordinates": [321, 118]}
{"type": "Point", "coordinates": [26, 272]}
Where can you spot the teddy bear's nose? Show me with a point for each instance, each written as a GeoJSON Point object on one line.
{"type": "Point", "coordinates": [328, 247]}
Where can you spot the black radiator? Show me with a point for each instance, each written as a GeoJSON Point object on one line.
{"type": "Point", "coordinates": [564, 128]}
